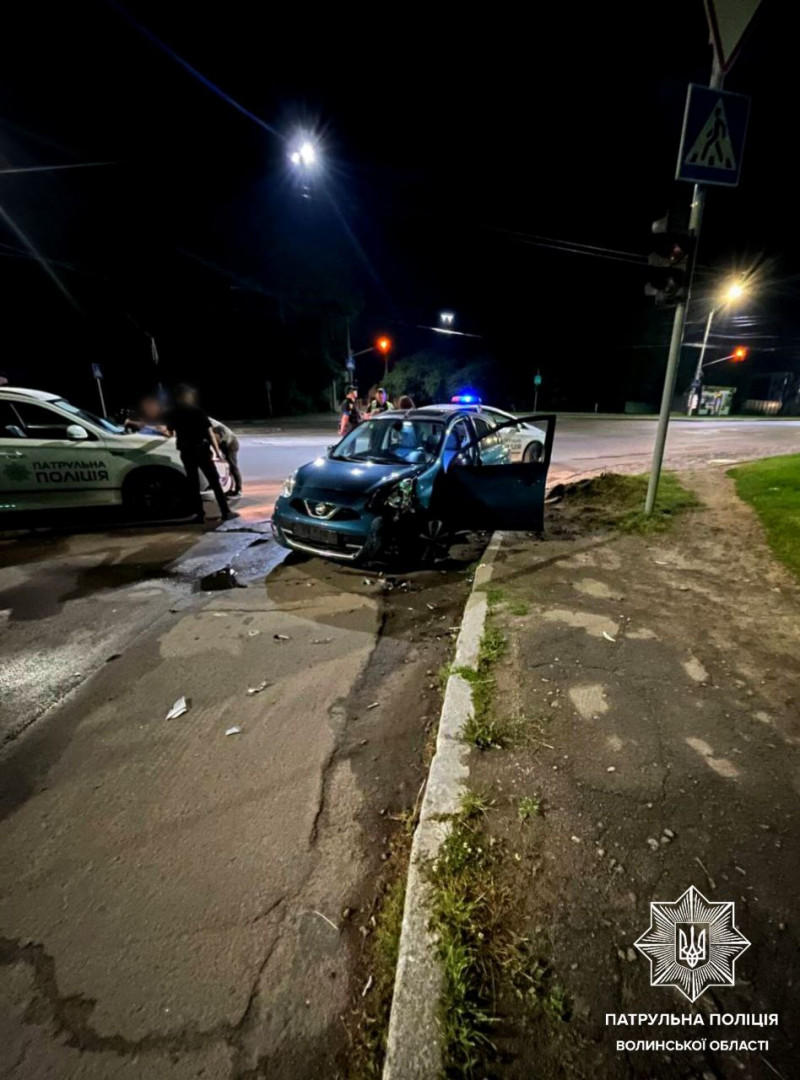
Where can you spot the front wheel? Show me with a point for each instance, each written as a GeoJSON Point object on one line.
{"type": "Point", "coordinates": [156, 493]}
{"type": "Point", "coordinates": [534, 451]}
{"type": "Point", "coordinates": [433, 540]}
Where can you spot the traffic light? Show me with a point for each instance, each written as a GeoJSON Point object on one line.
{"type": "Point", "coordinates": [670, 265]}
{"type": "Point", "coordinates": [739, 354]}
{"type": "Point", "coordinates": [383, 344]}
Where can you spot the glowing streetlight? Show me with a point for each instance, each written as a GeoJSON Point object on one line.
{"type": "Point", "coordinates": [305, 156]}
{"type": "Point", "coordinates": [733, 291]}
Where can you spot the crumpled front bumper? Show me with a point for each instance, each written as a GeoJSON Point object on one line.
{"type": "Point", "coordinates": [347, 541]}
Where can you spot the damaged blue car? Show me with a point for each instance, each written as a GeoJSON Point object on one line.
{"type": "Point", "coordinates": [406, 483]}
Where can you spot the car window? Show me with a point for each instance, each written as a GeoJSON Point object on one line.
{"type": "Point", "coordinates": [84, 416]}
{"type": "Point", "coordinates": [458, 436]}
{"type": "Point", "coordinates": [482, 426]}
{"type": "Point", "coordinates": [10, 423]}
{"type": "Point", "coordinates": [39, 422]}
{"type": "Point", "coordinates": [495, 417]}
{"type": "Point", "coordinates": [392, 441]}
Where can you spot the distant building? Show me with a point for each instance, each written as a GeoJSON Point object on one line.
{"type": "Point", "coordinates": [774, 393]}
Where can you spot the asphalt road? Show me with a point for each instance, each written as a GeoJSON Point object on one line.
{"type": "Point", "coordinates": [171, 897]}
{"type": "Point", "coordinates": [582, 445]}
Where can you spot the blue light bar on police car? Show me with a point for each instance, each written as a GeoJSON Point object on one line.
{"type": "Point", "coordinates": [465, 399]}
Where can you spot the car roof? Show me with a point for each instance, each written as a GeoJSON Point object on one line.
{"type": "Point", "coordinates": [424, 412]}
{"type": "Point", "coordinates": [39, 395]}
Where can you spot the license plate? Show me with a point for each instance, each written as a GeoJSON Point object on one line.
{"type": "Point", "coordinates": [316, 534]}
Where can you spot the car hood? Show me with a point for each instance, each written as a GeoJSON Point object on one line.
{"type": "Point", "coordinates": [350, 478]}
{"type": "Point", "coordinates": [136, 443]}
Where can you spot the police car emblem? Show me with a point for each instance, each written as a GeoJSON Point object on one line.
{"type": "Point", "coordinates": [692, 944]}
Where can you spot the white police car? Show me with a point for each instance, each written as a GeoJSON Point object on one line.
{"type": "Point", "coordinates": [524, 442]}
{"type": "Point", "coordinates": [56, 456]}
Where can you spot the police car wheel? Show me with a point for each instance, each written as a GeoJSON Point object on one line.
{"type": "Point", "coordinates": [534, 451]}
{"type": "Point", "coordinates": [433, 541]}
{"type": "Point", "coordinates": [156, 493]}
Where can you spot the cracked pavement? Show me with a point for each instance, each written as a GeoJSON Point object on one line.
{"type": "Point", "coordinates": [172, 897]}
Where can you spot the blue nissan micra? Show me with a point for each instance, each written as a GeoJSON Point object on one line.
{"type": "Point", "coordinates": [405, 482]}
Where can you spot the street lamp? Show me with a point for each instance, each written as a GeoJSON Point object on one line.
{"type": "Point", "coordinates": [305, 156]}
{"type": "Point", "coordinates": [734, 290]}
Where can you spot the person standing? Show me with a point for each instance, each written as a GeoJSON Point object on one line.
{"type": "Point", "coordinates": [195, 437]}
{"type": "Point", "coordinates": [229, 445]}
{"type": "Point", "coordinates": [380, 403]}
{"type": "Point", "coordinates": [350, 417]}
{"type": "Point", "coordinates": [406, 403]}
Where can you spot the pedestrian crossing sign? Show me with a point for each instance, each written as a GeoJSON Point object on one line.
{"type": "Point", "coordinates": [714, 127]}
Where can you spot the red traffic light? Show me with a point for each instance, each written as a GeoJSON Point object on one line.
{"type": "Point", "coordinates": [383, 344]}
{"type": "Point", "coordinates": [739, 354]}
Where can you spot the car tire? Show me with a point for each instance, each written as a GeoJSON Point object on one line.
{"type": "Point", "coordinates": [433, 541]}
{"type": "Point", "coordinates": [534, 451]}
{"type": "Point", "coordinates": [156, 493]}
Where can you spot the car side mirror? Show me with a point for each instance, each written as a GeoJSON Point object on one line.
{"type": "Point", "coordinates": [77, 433]}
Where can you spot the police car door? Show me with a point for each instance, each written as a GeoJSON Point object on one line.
{"type": "Point", "coordinates": [494, 492]}
{"type": "Point", "coordinates": [53, 469]}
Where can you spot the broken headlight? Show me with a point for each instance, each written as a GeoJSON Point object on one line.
{"type": "Point", "coordinates": [401, 497]}
{"type": "Point", "coordinates": [288, 485]}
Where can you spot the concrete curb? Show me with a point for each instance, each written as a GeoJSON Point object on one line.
{"type": "Point", "coordinates": [413, 1049]}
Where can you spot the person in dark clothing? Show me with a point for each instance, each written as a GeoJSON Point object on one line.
{"type": "Point", "coordinates": [350, 416]}
{"type": "Point", "coordinates": [195, 437]}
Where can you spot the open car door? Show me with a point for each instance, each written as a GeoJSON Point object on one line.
{"type": "Point", "coordinates": [485, 490]}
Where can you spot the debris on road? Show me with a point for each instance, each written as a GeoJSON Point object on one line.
{"type": "Point", "coordinates": [234, 730]}
{"type": "Point", "coordinates": [321, 640]}
{"type": "Point", "coordinates": [367, 986]}
{"type": "Point", "coordinates": [330, 922]}
{"type": "Point", "coordinates": [253, 633]}
{"type": "Point", "coordinates": [608, 637]}
{"type": "Point", "coordinates": [221, 579]}
{"type": "Point", "coordinates": [257, 689]}
{"type": "Point", "coordinates": [281, 637]}
{"type": "Point", "coordinates": [374, 705]}
{"type": "Point", "coordinates": [178, 709]}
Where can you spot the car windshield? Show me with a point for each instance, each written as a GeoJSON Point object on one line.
{"type": "Point", "coordinates": [392, 441]}
{"type": "Point", "coordinates": [90, 418]}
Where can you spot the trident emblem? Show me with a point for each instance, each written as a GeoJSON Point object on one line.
{"type": "Point", "coordinates": [692, 951]}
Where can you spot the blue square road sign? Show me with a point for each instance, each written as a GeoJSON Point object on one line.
{"type": "Point", "coordinates": [712, 142]}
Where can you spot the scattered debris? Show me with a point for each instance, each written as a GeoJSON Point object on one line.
{"type": "Point", "coordinates": [321, 640]}
{"type": "Point", "coordinates": [374, 705]}
{"type": "Point", "coordinates": [611, 768]}
{"type": "Point", "coordinates": [431, 607]}
{"type": "Point", "coordinates": [608, 637]}
{"type": "Point", "coordinates": [178, 709]}
{"type": "Point", "coordinates": [114, 656]}
{"type": "Point", "coordinates": [257, 689]}
{"type": "Point", "coordinates": [367, 986]}
{"type": "Point", "coordinates": [234, 730]}
{"type": "Point", "coordinates": [368, 581]}
{"type": "Point", "coordinates": [281, 637]}
{"type": "Point", "coordinates": [711, 881]}
{"type": "Point", "coordinates": [253, 633]}
{"type": "Point", "coordinates": [220, 579]}
{"type": "Point", "coordinates": [325, 919]}
{"type": "Point", "coordinates": [652, 843]}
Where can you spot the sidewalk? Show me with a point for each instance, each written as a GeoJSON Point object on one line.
{"type": "Point", "coordinates": [645, 709]}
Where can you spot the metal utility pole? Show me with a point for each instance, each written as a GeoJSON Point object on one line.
{"type": "Point", "coordinates": [678, 325]}
{"type": "Point", "coordinates": [698, 375]}
{"type": "Point", "coordinates": [98, 378]}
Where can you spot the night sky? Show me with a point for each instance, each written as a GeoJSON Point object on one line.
{"type": "Point", "coordinates": [450, 145]}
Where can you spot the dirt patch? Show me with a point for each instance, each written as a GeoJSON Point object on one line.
{"type": "Point", "coordinates": [659, 755]}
